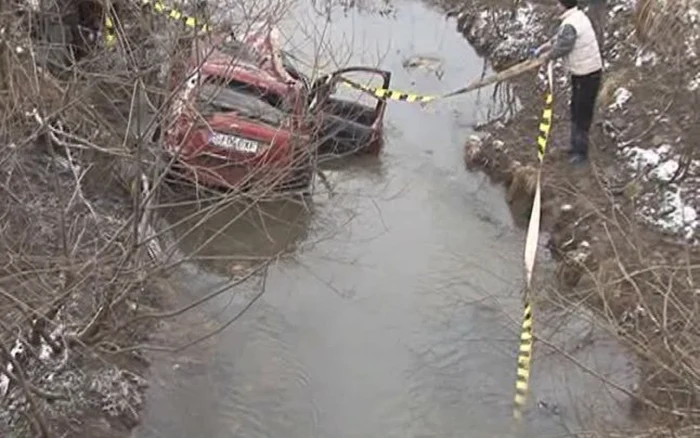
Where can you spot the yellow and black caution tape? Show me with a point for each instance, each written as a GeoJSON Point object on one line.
{"type": "Point", "coordinates": [526, 333]}
{"type": "Point", "coordinates": [402, 96]}
{"type": "Point", "coordinates": [159, 8]}
{"type": "Point", "coordinates": [545, 126]}
{"type": "Point", "coordinates": [384, 93]}
{"type": "Point", "coordinates": [524, 359]}
{"type": "Point", "coordinates": [170, 12]}
{"type": "Point", "coordinates": [110, 33]}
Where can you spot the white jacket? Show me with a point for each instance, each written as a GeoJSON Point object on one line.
{"type": "Point", "coordinates": [585, 57]}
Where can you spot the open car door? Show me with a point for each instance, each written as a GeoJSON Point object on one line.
{"type": "Point", "coordinates": [350, 120]}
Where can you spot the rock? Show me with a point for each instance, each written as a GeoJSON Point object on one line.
{"type": "Point", "coordinates": [657, 141]}
{"type": "Point", "coordinates": [428, 63]}
{"type": "Point", "coordinates": [473, 156]}
{"type": "Point", "coordinates": [564, 232]}
{"type": "Point", "coordinates": [576, 263]}
{"type": "Point", "coordinates": [621, 97]}
{"type": "Point", "coordinates": [523, 182]}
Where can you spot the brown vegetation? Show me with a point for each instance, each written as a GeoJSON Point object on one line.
{"type": "Point", "coordinates": [639, 280]}
{"type": "Point", "coordinates": [81, 263]}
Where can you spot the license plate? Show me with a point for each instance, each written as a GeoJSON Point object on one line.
{"type": "Point", "coordinates": [236, 143]}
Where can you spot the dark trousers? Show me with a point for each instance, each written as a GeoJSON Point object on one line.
{"type": "Point", "coordinates": [584, 92]}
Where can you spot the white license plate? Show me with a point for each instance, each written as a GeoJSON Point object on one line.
{"type": "Point", "coordinates": [236, 143]}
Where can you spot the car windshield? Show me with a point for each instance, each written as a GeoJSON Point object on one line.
{"type": "Point", "coordinates": [219, 98]}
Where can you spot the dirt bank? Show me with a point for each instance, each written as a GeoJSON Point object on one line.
{"type": "Point", "coordinates": [624, 230]}
{"type": "Point", "coordinates": [75, 280]}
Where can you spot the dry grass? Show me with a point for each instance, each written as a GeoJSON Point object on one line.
{"type": "Point", "coordinates": [643, 292]}
{"type": "Point", "coordinates": [640, 283]}
{"type": "Point", "coordinates": [667, 26]}
{"type": "Point", "coordinates": [80, 258]}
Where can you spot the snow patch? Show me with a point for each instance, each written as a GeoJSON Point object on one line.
{"type": "Point", "coordinates": [666, 170]}
{"type": "Point", "coordinates": [34, 5]}
{"type": "Point", "coordinates": [644, 58]}
{"type": "Point", "coordinates": [673, 215]}
{"type": "Point", "coordinates": [622, 96]}
{"type": "Point", "coordinates": [641, 159]}
{"type": "Point", "coordinates": [691, 43]}
{"type": "Point", "coordinates": [15, 352]}
{"type": "Point", "coordinates": [694, 83]}
{"type": "Point", "coordinates": [623, 6]}
{"type": "Point", "coordinates": [119, 392]}
{"type": "Point", "coordinates": [502, 37]}
{"type": "Point", "coordinates": [666, 210]}
{"type": "Point", "coordinates": [45, 350]}
{"type": "Point", "coordinates": [521, 34]}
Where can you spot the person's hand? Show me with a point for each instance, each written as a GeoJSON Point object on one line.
{"type": "Point", "coordinates": [537, 52]}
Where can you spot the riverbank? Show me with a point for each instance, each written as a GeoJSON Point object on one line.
{"type": "Point", "coordinates": [624, 229]}
{"type": "Point", "coordinates": [103, 389]}
{"type": "Point", "coordinates": [69, 283]}
{"type": "Point", "coordinates": [76, 281]}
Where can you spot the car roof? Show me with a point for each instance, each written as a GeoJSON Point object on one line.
{"type": "Point", "coordinates": [222, 98]}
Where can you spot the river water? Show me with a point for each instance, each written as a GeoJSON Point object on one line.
{"type": "Point", "coordinates": [397, 314]}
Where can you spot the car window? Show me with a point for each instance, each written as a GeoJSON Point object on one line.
{"type": "Point", "coordinates": [213, 97]}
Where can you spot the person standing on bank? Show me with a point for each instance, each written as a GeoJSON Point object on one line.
{"type": "Point", "coordinates": [576, 42]}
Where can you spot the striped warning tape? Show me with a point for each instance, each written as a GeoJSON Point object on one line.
{"type": "Point", "coordinates": [174, 14]}
{"type": "Point", "coordinates": [159, 8]}
{"type": "Point", "coordinates": [545, 126]}
{"type": "Point", "coordinates": [526, 333]}
{"type": "Point", "coordinates": [384, 93]}
{"type": "Point", "coordinates": [474, 85]}
{"type": "Point", "coordinates": [110, 33]}
{"type": "Point", "coordinates": [524, 359]}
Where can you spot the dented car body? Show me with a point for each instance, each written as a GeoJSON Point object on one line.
{"type": "Point", "coordinates": [235, 123]}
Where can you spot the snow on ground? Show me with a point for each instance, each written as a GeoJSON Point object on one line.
{"type": "Point", "coordinates": [622, 96]}
{"type": "Point", "coordinates": [694, 83]}
{"type": "Point", "coordinates": [665, 206]}
{"type": "Point", "coordinates": [506, 37]}
{"type": "Point", "coordinates": [645, 57]}
{"type": "Point", "coordinates": [673, 215]}
{"type": "Point", "coordinates": [662, 199]}
{"type": "Point", "coordinates": [662, 203]}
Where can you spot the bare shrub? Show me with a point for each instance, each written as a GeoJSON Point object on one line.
{"type": "Point", "coordinates": [82, 174]}
{"type": "Point", "coordinates": [670, 27]}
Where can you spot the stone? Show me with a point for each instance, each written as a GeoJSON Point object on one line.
{"type": "Point", "coordinates": [657, 141]}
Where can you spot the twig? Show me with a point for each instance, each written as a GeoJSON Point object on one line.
{"type": "Point", "coordinates": [650, 128]}
{"type": "Point", "coordinates": [214, 332]}
{"type": "Point", "coordinates": [324, 180]}
{"type": "Point", "coordinates": [19, 377]}
{"type": "Point", "coordinates": [71, 164]}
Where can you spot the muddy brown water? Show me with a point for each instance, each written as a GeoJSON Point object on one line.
{"type": "Point", "coordinates": [398, 313]}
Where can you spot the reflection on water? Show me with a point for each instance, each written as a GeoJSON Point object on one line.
{"type": "Point", "coordinates": [397, 312]}
{"type": "Point", "coordinates": [230, 236]}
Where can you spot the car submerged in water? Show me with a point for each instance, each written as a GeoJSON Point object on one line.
{"type": "Point", "coordinates": [236, 124]}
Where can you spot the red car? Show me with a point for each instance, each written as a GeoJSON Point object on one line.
{"type": "Point", "coordinates": [235, 124]}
